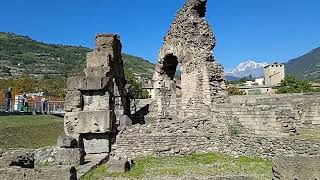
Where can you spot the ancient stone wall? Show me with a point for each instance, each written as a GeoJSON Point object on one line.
{"type": "Point", "coordinates": [272, 115]}
{"type": "Point", "coordinates": [189, 44]}
{"type": "Point", "coordinates": [248, 125]}
{"type": "Point", "coordinates": [141, 141]}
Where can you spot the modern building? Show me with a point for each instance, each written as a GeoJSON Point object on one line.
{"type": "Point", "coordinates": [274, 74]}
{"type": "Point", "coordinates": [257, 90]}
{"type": "Point", "coordinates": [256, 82]}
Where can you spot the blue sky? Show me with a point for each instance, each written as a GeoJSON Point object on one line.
{"type": "Point", "coordinates": [261, 30]}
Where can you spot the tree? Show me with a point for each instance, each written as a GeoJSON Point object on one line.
{"type": "Point", "coordinates": [292, 85]}
{"type": "Point", "coordinates": [233, 91]}
{"type": "Point", "coordinates": [25, 84]}
{"type": "Point", "coordinates": [136, 90]}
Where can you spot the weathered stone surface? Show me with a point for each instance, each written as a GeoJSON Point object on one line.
{"type": "Point", "coordinates": [94, 83]}
{"type": "Point", "coordinates": [190, 43]}
{"type": "Point", "coordinates": [24, 160]}
{"type": "Point", "coordinates": [96, 101]}
{"type": "Point", "coordinates": [125, 121]}
{"type": "Point", "coordinates": [65, 141]}
{"type": "Point", "coordinates": [64, 156]}
{"type": "Point", "coordinates": [118, 165]}
{"type": "Point", "coordinates": [97, 71]}
{"type": "Point", "coordinates": [19, 156]}
{"type": "Point", "coordinates": [96, 143]}
{"type": "Point", "coordinates": [73, 83]}
{"type": "Point", "coordinates": [296, 167]}
{"type": "Point", "coordinates": [203, 135]}
{"type": "Point", "coordinates": [235, 178]}
{"type": "Point", "coordinates": [88, 122]}
{"type": "Point", "coordinates": [56, 156]}
{"type": "Point", "coordinates": [108, 43]}
{"type": "Point", "coordinates": [46, 173]}
{"type": "Point", "coordinates": [98, 59]}
{"type": "Point", "coordinates": [73, 101]}
{"type": "Point", "coordinates": [5, 161]}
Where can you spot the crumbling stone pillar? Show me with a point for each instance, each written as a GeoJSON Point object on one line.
{"type": "Point", "coordinates": [189, 42]}
{"type": "Point", "coordinates": [90, 101]}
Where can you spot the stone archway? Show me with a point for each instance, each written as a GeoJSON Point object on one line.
{"type": "Point", "coordinates": [170, 63]}
{"type": "Point", "coordinates": [189, 42]}
{"type": "Point", "coordinates": [165, 88]}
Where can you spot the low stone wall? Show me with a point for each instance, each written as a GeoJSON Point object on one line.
{"type": "Point", "coordinates": [267, 115]}
{"type": "Point", "coordinates": [141, 141]}
{"type": "Point", "coordinates": [264, 126]}
{"type": "Point", "coordinates": [274, 115]}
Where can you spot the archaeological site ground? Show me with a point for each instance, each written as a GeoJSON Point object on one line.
{"type": "Point", "coordinates": [202, 134]}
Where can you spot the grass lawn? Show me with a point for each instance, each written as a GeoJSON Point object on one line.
{"type": "Point", "coordinates": [199, 165]}
{"type": "Point", "coordinates": [29, 131]}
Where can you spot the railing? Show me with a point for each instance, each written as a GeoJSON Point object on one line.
{"type": "Point", "coordinates": [51, 107]}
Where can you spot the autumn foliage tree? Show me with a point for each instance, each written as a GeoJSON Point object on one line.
{"type": "Point", "coordinates": [233, 91]}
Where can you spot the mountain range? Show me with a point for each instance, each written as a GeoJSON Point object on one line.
{"type": "Point", "coordinates": [246, 69]}
{"type": "Point", "coordinates": [305, 67]}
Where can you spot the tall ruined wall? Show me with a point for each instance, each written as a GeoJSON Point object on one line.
{"type": "Point", "coordinates": [189, 43]}
{"type": "Point", "coordinates": [95, 101]}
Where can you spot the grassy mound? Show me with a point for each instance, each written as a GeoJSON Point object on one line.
{"type": "Point", "coordinates": [29, 131]}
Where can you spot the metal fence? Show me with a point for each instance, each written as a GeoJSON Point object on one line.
{"type": "Point", "coordinates": [33, 105]}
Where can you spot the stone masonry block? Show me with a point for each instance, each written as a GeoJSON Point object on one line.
{"type": "Point", "coordinates": [96, 143]}
{"type": "Point", "coordinates": [73, 83]}
{"type": "Point", "coordinates": [93, 83]}
{"type": "Point", "coordinates": [47, 173]}
{"type": "Point", "coordinates": [65, 141]}
{"type": "Point", "coordinates": [64, 156]}
{"type": "Point", "coordinates": [97, 71]}
{"type": "Point", "coordinates": [83, 122]}
{"type": "Point", "coordinates": [73, 101]}
{"type": "Point", "coordinates": [118, 165]}
{"type": "Point", "coordinates": [108, 43]}
{"type": "Point", "coordinates": [125, 121]}
{"type": "Point", "coordinates": [96, 102]}
{"type": "Point", "coordinates": [98, 59]}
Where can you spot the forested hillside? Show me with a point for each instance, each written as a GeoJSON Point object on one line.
{"type": "Point", "coordinates": [32, 66]}
{"type": "Point", "coordinates": [305, 67]}
{"type": "Point", "coordinates": [21, 54]}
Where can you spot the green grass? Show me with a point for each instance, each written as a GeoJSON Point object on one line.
{"type": "Point", "coordinates": [210, 164]}
{"type": "Point", "coordinates": [29, 131]}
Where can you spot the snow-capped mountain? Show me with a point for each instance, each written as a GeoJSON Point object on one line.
{"type": "Point", "coordinates": [246, 68]}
